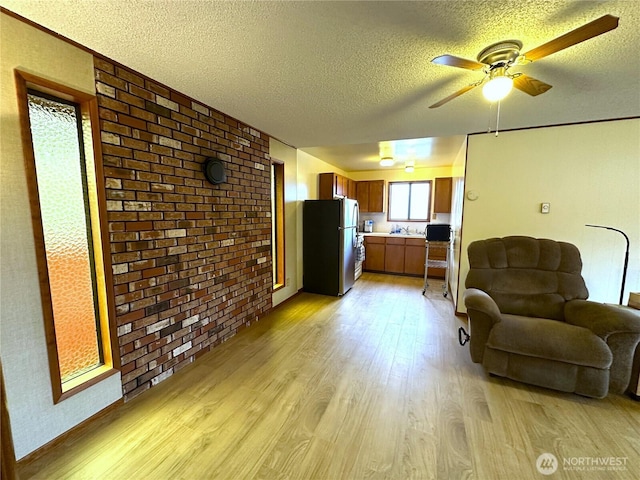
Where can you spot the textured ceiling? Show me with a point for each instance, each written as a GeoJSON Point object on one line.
{"type": "Point", "coordinates": [318, 74]}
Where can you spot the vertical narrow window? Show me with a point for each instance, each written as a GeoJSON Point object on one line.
{"type": "Point", "coordinates": [64, 198]}
{"type": "Point", "coordinates": [66, 226]}
{"type": "Point", "coordinates": [409, 201]}
{"type": "Point", "coordinates": [277, 224]}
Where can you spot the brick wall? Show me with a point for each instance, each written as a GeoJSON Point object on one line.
{"type": "Point", "coordinates": [191, 260]}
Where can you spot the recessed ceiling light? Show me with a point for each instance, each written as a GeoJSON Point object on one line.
{"type": "Point", "coordinates": [386, 162]}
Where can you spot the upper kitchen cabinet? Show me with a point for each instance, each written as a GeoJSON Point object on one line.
{"type": "Point", "coordinates": [442, 195]}
{"type": "Point", "coordinates": [352, 189]}
{"type": "Point", "coordinates": [331, 185]}
{"type": "Point", "coordinates": [370, 196]}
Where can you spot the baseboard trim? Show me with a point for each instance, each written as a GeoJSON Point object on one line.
{"type": "Point", "coordinates": [39, 452]}
{"type": "Point", "coordinates": [286, 300]}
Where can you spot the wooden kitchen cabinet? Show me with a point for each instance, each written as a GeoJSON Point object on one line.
{"type": "Point", "coordinates": [362, 195]}
{"type": "Point", "coordinates": [332, 184]}
{"type": "Point", "coordinates": [351, 189]}
{"type": "Point", "coordinates": [374, 248]}
{"type": "Point", "coordinates": [394, 255]}
{"type": "Point", "coordinates": [442, 195]}
{"type": "Point", "coordinates": [376, 196]}
{"type": "Point", "coordinates": [370, 195]}
{"type": "Point", "coordinates": [414, 256]}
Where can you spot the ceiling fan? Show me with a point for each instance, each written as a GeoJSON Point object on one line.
{"type": "Point", "coordinates": [496, 60]}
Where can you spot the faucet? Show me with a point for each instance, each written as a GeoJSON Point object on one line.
{"type": "Point", "coordinates": [406, 230]}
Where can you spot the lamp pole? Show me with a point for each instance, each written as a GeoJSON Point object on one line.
{"type": "Point", "coordinates": [626, 256]}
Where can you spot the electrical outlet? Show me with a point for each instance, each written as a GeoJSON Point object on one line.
{"type": "Point", "coordinates": [545, 207]}
{"type": "Point", "coordinates": [288, 282]}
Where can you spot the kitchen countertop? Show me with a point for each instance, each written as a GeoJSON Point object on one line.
{"type": "Point", "coordinates": [398, 235]}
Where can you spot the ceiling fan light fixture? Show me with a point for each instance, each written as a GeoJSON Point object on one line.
{"type": "Point", "coordinates": [497, 88]}
{"type": "Point", "coordinates": [386, 162]}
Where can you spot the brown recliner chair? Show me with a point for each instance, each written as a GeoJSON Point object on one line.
{"type": "Point", "coordinates": [529, 319]}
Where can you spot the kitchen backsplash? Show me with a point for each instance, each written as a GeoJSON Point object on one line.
{"type": "Point", "coordinates": [382, 225]}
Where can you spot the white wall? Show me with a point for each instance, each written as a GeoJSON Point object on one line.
{"type": "Point", "coordinates": [300, 183]}
{"type": "Point", "coordinates": [35, 420]}
{"type": "Point", "coordinates": [308, 169]}
{"type": "Point", "coordinates": [284, 153]}
{"type": "Point", "coordinates": [590, 173]}
{"type": "Point", "coordinates": [457, 201]}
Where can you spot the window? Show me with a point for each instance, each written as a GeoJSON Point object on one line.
{"type": "Point", "coordinates": [61, 171]}
{"type": "Point", "coordinates": [409, 201]}
{"type": "Point", "coordinates": [277, 224]}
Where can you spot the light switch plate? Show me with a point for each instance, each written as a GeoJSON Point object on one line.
{"type": "Point", "coordinates": [545, 207]}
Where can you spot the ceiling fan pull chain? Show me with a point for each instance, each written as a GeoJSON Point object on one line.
{"type": "Point", "coordinates": [489, 118]}
{"type": "Point", "coordinates": [497, 118]}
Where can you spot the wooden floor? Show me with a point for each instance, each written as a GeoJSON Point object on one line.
{"type": "Point", "coordinates": [372, 385]}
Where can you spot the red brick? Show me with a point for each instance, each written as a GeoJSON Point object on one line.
{"type": "Point", "coordinates": [142, 114]}
{"type": "Point", "coordinates": [102, 64]}
{"type": "Point", "coordinates": [181, 99]}
{"type": "Point", "coordinates": [141, 92]}
{"type": "Point", "coordinates": [132, 121]}
{"type": "Point", "coordinates": [137, 226]}
{"type": "Point", "coordinates": [112, 80]}
{"type": "Point", "coordinates": [157, 88]}
{"type": "Point", "coordinates": [130, 99]}
{"type": "Point", "coordinates": [129, 76]}
{"type": "Point", "coordinates": [111, 104]}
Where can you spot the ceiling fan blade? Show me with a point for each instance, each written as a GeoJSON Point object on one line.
{"type": "Point", "coordinates": [454, 95]}
{"type": "Point", "coordinates": [580, 34]}
{"type": "Point", "coordinates": [530, 85]}
{"type": "Point", "coordinates": [452, 61]}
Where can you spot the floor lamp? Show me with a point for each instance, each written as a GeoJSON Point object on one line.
{"type": "Point", "coordinates": [626, 256]}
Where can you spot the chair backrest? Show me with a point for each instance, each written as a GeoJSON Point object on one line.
{"type": "Point", "coordinates": [527, 276]}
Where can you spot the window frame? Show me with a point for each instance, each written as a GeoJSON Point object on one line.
{"type": "Point", "coordinates": [277, 218]}
{"type": "Point", "coordinates": [410, 183]}
{"type": "Point", "coordinates": [107, 336]}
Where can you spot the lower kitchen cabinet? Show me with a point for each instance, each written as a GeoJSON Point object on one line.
{"type": "Point", "coordinates": [414, 256]}
{"type": "Point", "coordinates": [394, 255]}
{"type": "Point", "coordinates": [374, 254]}
{"type": "Point", "coordinates": [400, 255]}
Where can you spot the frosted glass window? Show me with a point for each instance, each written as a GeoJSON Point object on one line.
{"type": "Point", "coordinates": [274, 248]}
{"type": "Point", "coordinates": [56, 132]}
{"type": "Point", "coordinates": [409, 201]}
{"type": "Point", "coordinates": [277, 223]}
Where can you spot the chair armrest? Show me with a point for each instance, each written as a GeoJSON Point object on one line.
{"type": "Point", "coordinates": [483, 315]}
{"type": "Point", "coordinates": [616, 325]}
{"type": "Point", "coordinates": [480, 301]}
{"type": "Point", "coordinates": [602, 319]}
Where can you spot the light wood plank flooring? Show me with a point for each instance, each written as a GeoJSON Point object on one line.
{"type": "Point", "coordinates": [372, 385]}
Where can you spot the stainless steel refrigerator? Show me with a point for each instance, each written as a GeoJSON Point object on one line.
{"type": "Point", "coordinates": [329, 243]}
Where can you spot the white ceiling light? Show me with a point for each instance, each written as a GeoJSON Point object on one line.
{"type": "Point", "coordinates": [497, 88]}
{"type": "Point", "coordinates": [386, 162]}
